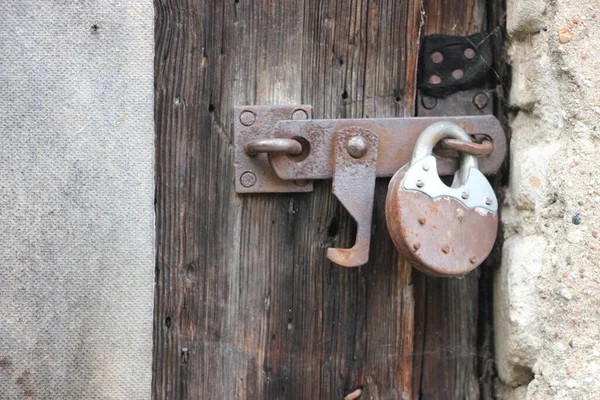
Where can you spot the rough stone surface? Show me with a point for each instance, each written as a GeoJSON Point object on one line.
{"type": "Point", "coordinates": [547, 311]}
{"type": "Point", "coordinates": [76, 199]}
{"type": "Point", "coordinates": [515, 301]}
{"type": "Point", "coordinates": [525, 16]}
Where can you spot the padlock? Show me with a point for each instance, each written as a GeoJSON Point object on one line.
{"type": "Point", "coordinates": [441, 230]}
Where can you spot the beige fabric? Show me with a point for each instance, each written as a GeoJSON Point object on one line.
{"type": "Point", "coordinates": [76, 199]}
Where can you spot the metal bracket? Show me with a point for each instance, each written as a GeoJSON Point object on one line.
{"type": "Point", "coordinates": [354, 184]}
{"type": "Point", "coordinates": [351, 151]}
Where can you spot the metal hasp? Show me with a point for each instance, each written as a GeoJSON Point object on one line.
{"type": "Point", "coordinates": [279, 149]}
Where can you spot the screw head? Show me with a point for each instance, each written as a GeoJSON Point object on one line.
{"type": "Point", "coordinates": [422, 220]}
{"type": "Point", "coordinates": [299, 114]}
{"type": "Point", "coordinates": [488, 201]}
{"type": "Point", "coordinates": [357, 146]}
{"type": "Point", "coordinates": [425, 167]}
{"type": "Point", "coordinates": [464, 195]}
{"type": "Point", "coordinates": [457, 74]}
{"type": "Point", "coordinates": [437, 57]}
{"type": "Point", "coordinates": [247, 118]}
{"type": "Point", "coordinates": [428, 102]}
{"type": "Point", "coordinates": [248, 179]}
{"type": "Point", "coordinates": [420, 184]}
{"type": "Point", "coordinates": [435, 80]}
{"type": "Point", "coordinates": [481, 100]}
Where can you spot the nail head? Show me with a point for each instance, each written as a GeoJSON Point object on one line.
{"type": "Point", "coordinates": [457, 74]}
{"type": "Point", "coordinates": [248, 179]}
{"type": "Point", "coordinates": [437, 57]}
{"type": "Point", "coordinates": [247, 118]}
{"type": "Point", "coordinates": [299, 114]}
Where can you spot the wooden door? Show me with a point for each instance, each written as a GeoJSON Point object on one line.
{"type": "Point", "coordinates": [247, 305]}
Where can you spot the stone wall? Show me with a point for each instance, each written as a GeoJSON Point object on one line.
{"type": "Point", "coordinates": [547, 290]}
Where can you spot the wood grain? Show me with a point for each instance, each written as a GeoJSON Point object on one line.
{"type": "Point", "coordinates": [454, 17]}
{"type": "Point", "coordinates": [247, 306]}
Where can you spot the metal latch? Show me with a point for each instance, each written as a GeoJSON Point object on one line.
{"type": "Point", "coordinates": [281, 149]}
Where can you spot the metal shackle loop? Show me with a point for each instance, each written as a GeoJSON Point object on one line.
{"type": "Point", "coordinates": [442, 130]}
{"type": "Point", "coordinates": [275, 145]}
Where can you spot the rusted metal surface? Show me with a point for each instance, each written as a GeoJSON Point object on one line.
{"type": "Point", "coordinates": [397, 138]}
{"type": "Point", "coordinates": [280, 172]}
{"type": "Point", "coordinates": [438, 232]}
{"type": "Point", "coordinates": [253, 173]}
{"type": "Point", "coordinates": [354, 395]}
{"type": "Point", "coordinates": [467, 102]}
{"type": "Point", "coordinates": [485, 148]}
{"type": "Point", "coordinates": [355, 157]}
{"type": "Point", "coordinates": [275, 145]}
{"type": "Point", "coordinates": [448, 243]}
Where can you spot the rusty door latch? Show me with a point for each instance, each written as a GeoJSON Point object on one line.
{"type": "Point", "coordinates": [281, 149]}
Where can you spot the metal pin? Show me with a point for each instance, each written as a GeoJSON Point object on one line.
{"type": "Point", "coordinates": [357, 146]}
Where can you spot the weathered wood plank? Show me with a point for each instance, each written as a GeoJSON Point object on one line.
{"type": "Point", "coordinates": [454, 17]}
{"type": "Point", "coordinates": [247, 306]}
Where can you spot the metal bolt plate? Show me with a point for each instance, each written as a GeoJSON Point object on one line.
{"type": "Point", "coordinates": [468, 102]}
{"type": "Point", "coordinates": [282, 173]}
{"type": "Point", "coordinates": [253, 174]}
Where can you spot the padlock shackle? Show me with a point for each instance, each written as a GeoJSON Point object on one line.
{"type": "Point", "coordinates": [442, 130]}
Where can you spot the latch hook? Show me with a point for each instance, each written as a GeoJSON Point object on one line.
{"type": "Point", "coordinates": [354, 175]}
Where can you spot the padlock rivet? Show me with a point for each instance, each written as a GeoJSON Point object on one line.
{"type": "Point", "coordinates": [420, 184]}
{"type": "Point", "coordinates": [416, 246]}
{"type": "Point", "coordinates": [445, 249]}
{"type": "Point", "coordinates": [357, 146]}
{"type": "Point", "coordinates": [425, 167]}
{"type": "Point", "coordinates": [464, 195]}
{"type": "Point", "coordinates": [422, 220]}
{"type": "Point", "coordinates": [488, 201]}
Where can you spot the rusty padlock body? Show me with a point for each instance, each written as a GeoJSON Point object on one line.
{"type": "Point", "coordinates": [441, 230]}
